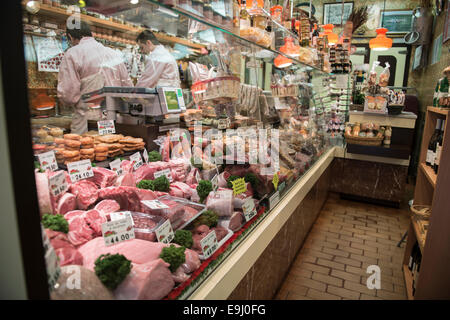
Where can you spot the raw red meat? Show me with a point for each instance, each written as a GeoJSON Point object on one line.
{"type": "Point", "coordinates": [149, 281]}
{"type": "Point", "coordinates": [145, 194]}
{"type": "Point", "coordinates": [192, 176]}
{"type": "Point", "coordinates": [144, 226]}
{"type": "Point", "coordinates": [86, 193]}
{"type": "Point", "coordinates": [127, 197]}
{"type": "Point", "coordinates": [179, 276]}
{"type": "Point", "coordinates": [222, 179]}
{"type": "Point", "coordinates": [103, 177]}
{"type": "Point", "coordinates": [179, 169]}
{"type": "Point", "coordinates": [127, 166]}
{"type": "Point", "coordinates": [69, 216]}
{"type": "Point", "coordinates": [192, 262]}
{"type": "Point", "coordinates": [94, 219]}
{"type": "Point", "coordinates": [147, 171]}
{"type": "Point", "coordinates": [176, 192]}
{"type": "Point", "coordinates": [66, 203]}
{"type": "Point", "coordinates": [221, 202]}
{"type": "Point", "coordinates": [107, 206]}
{"type": "Point", "coordinates": [79, 231]}
{"type": "Point", "coordinates": [236, 221]}
{"type": "Point", "coordinates": [220, 233]}
{"type": "Point", "coordinates": [186, 189]}
{"type": "Point", "coordinates": [69, 256]}
{"type": "Point", "coordinates": [127, 180]}
{"type": "Point", "coordinates": [174, 213]}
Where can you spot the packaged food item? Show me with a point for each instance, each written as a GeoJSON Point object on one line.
{"type": "Point", "coordinates": [384, 76]}
{"type": "Point", "coordinates": [380, 102]}
{"type": "Point", "coordinates": [145, 225]}
{"type": "Point", "coordinates": [371, 103]}
{"type": "Point", "coordinates": [356, 129]}
{"type": "Point", "coordinates": [373, 74]}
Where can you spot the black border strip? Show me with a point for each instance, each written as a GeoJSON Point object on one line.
{"type": "Point", "coordinates": [20, 149]}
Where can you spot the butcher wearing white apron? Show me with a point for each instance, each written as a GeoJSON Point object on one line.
{"type": "Point", "coordinates": [161, 68]}
{"type": "Point", "coordinates": [86, 67]}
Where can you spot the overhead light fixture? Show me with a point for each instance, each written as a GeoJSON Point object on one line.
{"type": "Point", "coordinates": [33, 7]}
{"type": "Point", "coordinates": [380, 42]}
{"type": "Point", "coordinates": [282, 62]}
{"type": "Point", "coordinates": [328, 31]}
{"type": "Point", "coordinates": [289, 48]}
{"type": "Point", "coordinates": [134, 1]}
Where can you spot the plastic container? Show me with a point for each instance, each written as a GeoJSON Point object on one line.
{"type": "Point", "coordinates": [180, 212]}
{"type": "Point", "coordinates": [145, 225]}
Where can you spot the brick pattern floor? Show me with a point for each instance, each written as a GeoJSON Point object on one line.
{"type": "Point", "coordinates": [346, 238]}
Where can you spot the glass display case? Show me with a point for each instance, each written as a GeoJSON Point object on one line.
{"type": "Point", "coordinates": [253, 112]}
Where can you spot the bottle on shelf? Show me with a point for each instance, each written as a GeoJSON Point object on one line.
{"type": "Point", "coordinates": [431, 151]}
{"type": "Point", "coordinates": [439, 141]}
{"type": "Point", "coordinates": [314, 36]}
{"type": "Point", "coordinates": [245, 20]}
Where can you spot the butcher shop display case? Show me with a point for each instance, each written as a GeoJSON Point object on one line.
{"type": "Point", "coordinates": [147, 205]}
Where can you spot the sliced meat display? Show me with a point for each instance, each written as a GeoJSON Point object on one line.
{"type": "Point", "coordinates": [179, 276]}
{"type": "Point", "coordinates": [174, 213]}
{"type": "Point", "coordinates": [66, 203]}
{"type": "Point", "coordinates": [145, 194]}
{"type": "Point", "coordinates": [126, 180]}
{"type": "Point", "coordinates": [220, 233]}
{"type": "Point", "coordinates": [43, 193]}
{"type": "Point", "coordinates": [136, 250]}
{"type": "Point", "coordinates": [147, 171]}
{"type": "Point", "coordinates": [107, 206]}
{"type": "Point", "coordinates": [86, 193]}
{"type": "Point", "coordinates": [103, 177]}
{"type": "Point", "coordinates": [176, 192]}
{"type": "Point", "coordinates": [58, 239]}
{"type": "Point", "coordinates": [144, 225]}
{"type": "Point", "coordinates": [192, 177]}
{"type": "Point", "coordinates": [236, 221]}
{"type": "Point", "coordinates": [222, 179]}
{"type": "Point", "coordinates": [69, 256]}
{"type": "Point", "coordinates": [127, 166]}
{"type": "Point", "coordinates": [221, 202]}
{"type": "Point", "coordinates": [149, 281]}
{"type": "Point", "coordinates": [185, 189]}
{"type": "Point", "coordinates": [126, 197]}
{"type": "Point", "coordinates": [192, 262]}
{"type": "Point", "coordinates": [91, 288]}
{"type": "Point", "coordinates": [179, 169]}
{"type": "Point", "coordinates": [69, 216]}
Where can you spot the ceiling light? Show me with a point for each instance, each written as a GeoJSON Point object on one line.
{"type": "Point", "coordinates": [380, 42]}
{"type": "Point", "coordinates": [328, 31]}
{"type": "Point", "coordinates": [134, 1]}
{"type": "Point", "coordinates": [282, 62]}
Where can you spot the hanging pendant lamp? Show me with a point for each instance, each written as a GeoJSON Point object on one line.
{"type": "Point", "coordinates": [328, 31]}
{"type": "Point", "coordinates": [381, 42]}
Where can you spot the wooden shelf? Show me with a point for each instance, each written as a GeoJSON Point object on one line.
{"type": "Point", "coordinates": [408, 282]}
{"type": "Point", "coordinates": [429, 173]}
{"type": "Point", "coordinates": [440, 111]}
{"type": "Point", "coordinates": [419, 236]}
{"type": "Point", "coordinates": [62, 14]}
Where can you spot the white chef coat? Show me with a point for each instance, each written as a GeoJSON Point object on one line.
{"type": "Point", "coordinates": [161, 69]}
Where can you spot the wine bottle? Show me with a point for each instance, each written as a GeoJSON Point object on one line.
{"type": "Point", "coordinates": [431, 152]}
{"type": "Point", "coordinates": [440, 138]}
{"type": "Point", "coordinates": [245, 20]}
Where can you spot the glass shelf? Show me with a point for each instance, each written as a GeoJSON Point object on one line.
{"type": "Point", "coordinates": [241, 40]}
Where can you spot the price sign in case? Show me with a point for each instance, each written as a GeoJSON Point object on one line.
{"type": "Point", "coordinates": [117, 231]}
{"type": "Point", "coordinates": [58, 184]}
{"type": "Point", "coordinates": [48, 161]}
{"type": "Point", "coordinates": [249, 209]}
{"type": "Point", "coordinates": [209, 244]}
{"type": "Point", "coordinates": [165, 172]}
{"type": "Point", "coordinates": [106, 127]}
{"type": "Point", "coordinates": [137, 160]}
{"type": "Point", "coordinates": [115, 166]}
{"type": "Point", "coordinates": [165, 233]}
{"type": "Point", "coordinates": [80, 170]}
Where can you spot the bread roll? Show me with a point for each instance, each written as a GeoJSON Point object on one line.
{"type": "Point", "coordinates": [72, 136]}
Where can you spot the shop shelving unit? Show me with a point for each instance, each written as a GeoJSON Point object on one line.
{"type": "Point", "coordinates": [434, 190]}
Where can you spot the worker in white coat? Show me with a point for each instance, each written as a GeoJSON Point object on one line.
{"type": "Point", "coordinates": [88, 66]}
{"type": "Point", "coordinates": [161, 68]}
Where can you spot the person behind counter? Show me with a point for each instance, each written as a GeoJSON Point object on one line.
{"type": "Point", "coordinates": [161, 68]}
{"type": "Point", "coordinates": [87, 66]}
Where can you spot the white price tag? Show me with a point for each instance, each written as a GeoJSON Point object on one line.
{"type": "Point", "coordinates": [137, 160]}
{"type": "Point", "coordinates": [116, 166]}
{"type": "Point", "coordinates": [174, 135]}
{"type": "Point", "coordinates": [117, 231]}
{"type": "Point", "coordinates": [106, 127]}
{"type": "Point", "coordinates": [215, 182]}
{"type": "Point", "coordinates": [209, 244]}
{"type": "Point", "coordinates": [48, 161]}
{"type": "Point", "coordinates": [121, 215]}
{"type": "Point", "coordinates": [274, 199]}
{"type": "Point", "coordinates": [165, 172]}
{"type": "Point", "coordinates": [154, 204]}
{"type": "Point", "coordinates": [58, 184]}
{"type": "Point", "coordinates": [80, 170]}
{"type": "Point", "coordinates": [249, 209]}
{"type": "Point", "coordinates": [145, 154]}
{"type": "Point", "coordinates": [165, 233]}
{"type": "Point", "coordinates": [223, 123]}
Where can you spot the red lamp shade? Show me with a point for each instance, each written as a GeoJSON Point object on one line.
{"type": "Point", "coordinates": [328, 31]}
{"type": "Point", "coordinates": [282, 62]}
{"type": "Point", "coordinates": [380, 42]}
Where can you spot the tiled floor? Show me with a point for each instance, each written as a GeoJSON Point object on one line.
{"type": "Point", "coordinates": [346, 238]}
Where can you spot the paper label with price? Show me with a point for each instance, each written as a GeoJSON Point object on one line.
{"type": "Point", "coordinates": [249, 209]}
{"type": "Point", "coordinates": [121, 215]}
{"type": "Point", "coordinates": [137, 160]}
{"type": "Point", "coordinates": [274, 199]}
{"type": "Point", "coordinates": [80, 170]}
{"type": "Point", "coordinates": [106, 127]}
{"type": "Point", "coordinates": [165, 172]}
{"type": "Point", "coordinates": [239, 186]}
{"type": "Point", "coordinates": [154, 204]}
{"type": "Point", "coordinates": [164, 233]}
{"type": "Point", "coordinates": [223, 124]}
{"type": "Point", "coordinates": [145, 155]}
{"type": "Point", "coordinates": [117, 231]}
{"type": "Point", "coordinates": [48, 161]}
{"type": "Point", "coordinates": [58, 184]}
{"type": "Point", "coordinates": [275, 181]}
{"type": "Point", "coordinates": [174, 135]}
{"type": "Point", "coordinates": [209, 244]}
{"type": "Point", "coordinates": [115, 166]}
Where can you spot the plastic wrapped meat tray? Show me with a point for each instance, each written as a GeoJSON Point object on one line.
{"type": "Point", "coordinates": [181, 210]}
{"type": "Point", "coordinates": [145, 225]}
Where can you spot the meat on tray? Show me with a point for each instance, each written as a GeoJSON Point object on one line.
{"type": "Point", "coordinates": [221, 202]}
{"type": "Point", "coordinates": [126, 180]}
{"type": "Point", "coordinates": [66, 203]}
{"type": "Point", "coordinates": [174, 213]}
{"type": "Point", "coordinates": [202, 231]}
{"type": "Point", "coordinates": [127, 197]}
{"type": "Point", "coordinates": [145, 225]}
{"type": "Point", "coordinates": [66, 252]}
